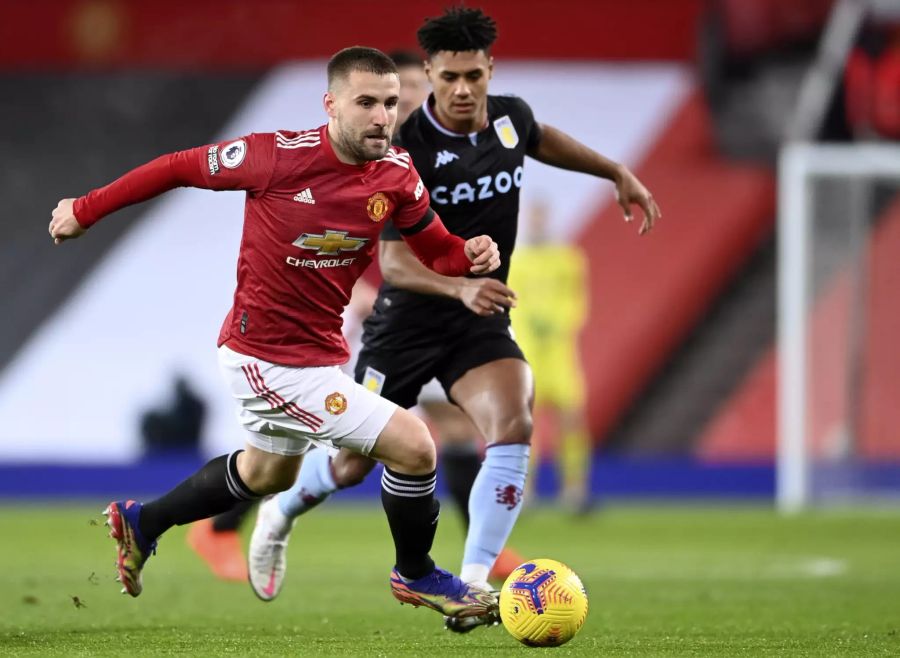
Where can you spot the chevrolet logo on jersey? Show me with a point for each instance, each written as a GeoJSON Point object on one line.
{"type": "Point", "coordinates": [330, 244]}
{"type": "Point", "coordinates": [506, 131]}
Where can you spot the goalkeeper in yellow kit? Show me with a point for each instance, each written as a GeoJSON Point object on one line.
{"type": "Point", "coordinates": [549, 279]}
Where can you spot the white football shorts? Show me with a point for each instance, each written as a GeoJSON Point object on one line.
{"type": "Point", "coordinates": [287, 409]}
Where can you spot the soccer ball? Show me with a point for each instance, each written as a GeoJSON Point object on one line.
{"type": "Point", "coordinates": [543, 603]}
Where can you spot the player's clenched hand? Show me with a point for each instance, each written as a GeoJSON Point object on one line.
{"type": "Point", "coordinates": [483, 253]}
{"type": "Point", "coordinates": [64, 226]}
{"type": "Point", "coordinates": [486, 296]}
{"type": "Point", "coordinates": [629, 190]}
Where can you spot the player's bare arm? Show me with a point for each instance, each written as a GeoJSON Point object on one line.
{"type": "Point", "coordinates": [558, 149]}
{"type": "Point", "coordinates": [63, 225]}
{"type": "Point", "coordinates": [482, 296]}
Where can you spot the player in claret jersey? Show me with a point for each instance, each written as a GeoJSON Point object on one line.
{"type": "Point", "coordinates": [316, 202]}
{"type": "Point", "coordinates": [470, 147]}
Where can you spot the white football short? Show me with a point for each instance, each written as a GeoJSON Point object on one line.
{"type": "Point", "coordinates": [287, 409]}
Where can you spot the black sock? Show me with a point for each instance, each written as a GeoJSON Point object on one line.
{"type": "Point", "coordinates": [213, 489]}
{"type": "Point", "coordinates": [412, 513]}
{"type": "Point", "coordinates": [460, 464]}
{"type": "Point", "coordinates": [231, 520]}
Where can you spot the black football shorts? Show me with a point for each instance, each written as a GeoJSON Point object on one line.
{"type": "Point", "coordinates": [399, 375]}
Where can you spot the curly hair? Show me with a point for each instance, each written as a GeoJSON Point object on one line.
{"type": "Point", "coordinates": [457, 30]}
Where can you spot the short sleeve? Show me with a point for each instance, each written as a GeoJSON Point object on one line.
{"type": "Point", "coordinates": [246, 163]}
{"type": "Point", "coordinates": [413, 202]}
{"type": "Point", "coordinates": [532, 127]}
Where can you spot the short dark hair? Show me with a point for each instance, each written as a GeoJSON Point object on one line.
{"type": "Point", "coordinates": [458, 30]}
{"type": "Point", "coordinates": [358, 58]}
{"type": "Point", "coordinates": [404, 58]}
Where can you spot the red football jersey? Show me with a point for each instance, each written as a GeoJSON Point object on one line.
{"type": "Point", "coordinates": [311, 224]}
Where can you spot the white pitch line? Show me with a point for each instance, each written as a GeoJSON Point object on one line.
{"type": "Point", "coordinates": [779, 568]}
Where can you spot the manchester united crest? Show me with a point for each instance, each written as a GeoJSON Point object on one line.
{"type": "Point", "coordinates": [336, 404]}
{"type": "Point", "coordinates": [378, 206]}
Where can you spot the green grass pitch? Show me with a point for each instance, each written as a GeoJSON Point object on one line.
{"type": "Point", "coordinates": [662, 581]}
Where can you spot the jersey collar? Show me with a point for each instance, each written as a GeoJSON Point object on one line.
{"type": "Point", "coordinates": [426, 108]}
{"type": "Point", "coordinates": [329, 153]}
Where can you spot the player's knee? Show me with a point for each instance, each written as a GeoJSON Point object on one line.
{"type": "Point", "coordinates": [406, 445]}
{"type": "Point", "coordinates": [513, 429]}
{"type": "Point", "coordinates": [350, 469]}
{"type": "Point", "coordinates": [419, 455]}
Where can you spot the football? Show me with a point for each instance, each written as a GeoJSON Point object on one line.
{"type": "Point", "coordinates": [543, 603]}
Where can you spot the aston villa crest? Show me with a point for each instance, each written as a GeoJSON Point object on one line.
{"type": "Point", "coordinates": [506, 131]}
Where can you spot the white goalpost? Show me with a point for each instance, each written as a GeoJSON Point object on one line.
{"type": "Point", "coordinates": [837, 205]}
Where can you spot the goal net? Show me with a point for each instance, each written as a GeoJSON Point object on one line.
{"type": "Point", "coordinates": [838, 324]}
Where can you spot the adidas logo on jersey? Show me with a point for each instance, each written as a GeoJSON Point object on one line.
{"type": "Point", "coordinates": [305, 196]}
{"type": "Point", "coordinates": [445, 157]}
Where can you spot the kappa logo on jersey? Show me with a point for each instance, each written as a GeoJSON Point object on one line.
{"type": "Point", "coordinates": [444, 157]}
{"type": "Point", "coordinates": [305, 196]}
{"type": "Point", "coordinates": [378, 206]}
{"type": "Point", "coordinates": [212, 159]}
{"type": "Point", "coordinates": [484, 188]}
{"type": "Point", "coordinates": [506, 131]}
{"type": "Point", "coordinates": [373, 380]}
{"type": "Point", "coordinates": [233, 154]}
{"type": "Point", "coordinates": [331, 243]}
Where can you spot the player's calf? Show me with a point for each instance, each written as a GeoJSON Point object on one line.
{"type": "Point", "coordinates": [267, 473]}
{"type": "Point", "coordinates": [350, 468]}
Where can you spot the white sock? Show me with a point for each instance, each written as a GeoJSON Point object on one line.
{"type": "Point", "coordinates": [475, 574]}
{"type": "Point", "coordinates": [314, 484]}
{"type": "Point", "coordinates": [494, 506]}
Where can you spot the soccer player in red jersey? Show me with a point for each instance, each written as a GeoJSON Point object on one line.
{"type": "Point", "coordinates": [470, 147]}
{"type": "Point", "coordinates": [316, 203]}
{"type": "Point", "coordinates": [216, 541]}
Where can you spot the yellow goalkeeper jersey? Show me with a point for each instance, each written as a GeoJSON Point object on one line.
{"type": "Point", "coordinates": [549, 281]}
